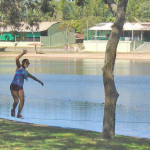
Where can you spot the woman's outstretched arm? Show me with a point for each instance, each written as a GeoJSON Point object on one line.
{"type": "Point", "coordinates": [18, 57]}
{"type": "Point", "coordinates": [34, 78]}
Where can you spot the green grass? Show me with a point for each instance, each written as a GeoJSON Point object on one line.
{"type": "Point", "coordinates": [23, 136]}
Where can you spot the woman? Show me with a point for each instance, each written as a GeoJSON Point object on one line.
{"type": "Point", "coordinates": [16, 86]}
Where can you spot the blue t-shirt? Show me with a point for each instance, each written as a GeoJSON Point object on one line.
{"type": "Point", "coordinates": [19, 77]}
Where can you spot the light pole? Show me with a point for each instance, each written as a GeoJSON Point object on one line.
{"type": "Point", "coordinates": [87, 29]}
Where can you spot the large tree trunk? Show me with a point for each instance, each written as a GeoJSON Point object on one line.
{"type": "Point", "coordinates": [111, 93]}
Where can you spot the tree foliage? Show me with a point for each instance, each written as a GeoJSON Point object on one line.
{"type": "Point", "coordinates": [14, 11]}
{"type": "Point", "coordinates": [67, 27]}
{"type": "Point", "coordinates": [144, 11]}
{"type": "Point", "coordinates": [80, 2]}
{"type": "Point", "coordinates": [132, 10]}
{"type": "Point", "coordinates": [48, 7]}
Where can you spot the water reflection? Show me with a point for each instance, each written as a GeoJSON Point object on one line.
{"type": "Point", "coordinates": [73, 94]}
{"type": "Point", "coordinates": [77, 66]}
{"type": "Point", "coordinates": [56, 66]}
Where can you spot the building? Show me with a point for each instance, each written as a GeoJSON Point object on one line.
{"type": "Point", "coordinates": [79, 37]}
{"type": "Point", "coordinates": [133, 36]}
{"type": "Point", "coordinates": [48, 33]}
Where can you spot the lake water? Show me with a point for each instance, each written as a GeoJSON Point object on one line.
{"type": "Point", "coordinates": [73, 94]}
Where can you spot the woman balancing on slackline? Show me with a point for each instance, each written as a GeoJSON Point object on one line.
{"type": "Point", "coordinates": [16, 86]}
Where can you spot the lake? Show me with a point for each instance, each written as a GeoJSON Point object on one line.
{"type": "Point", "coordinates": [73, 94]}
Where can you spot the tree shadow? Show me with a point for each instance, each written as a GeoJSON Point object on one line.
{"type": "Point", "coordinates": [23, 135]}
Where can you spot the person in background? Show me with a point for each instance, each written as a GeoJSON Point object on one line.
{"type": "Point", "coordinates": [65, 48]}
{"type": "Point", "coordinates": [16, 86]}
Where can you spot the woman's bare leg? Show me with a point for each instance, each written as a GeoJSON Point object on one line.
{"type": "Point", "coordinates": [21, 97]}
{"type": "Point", "coordinates": [15, 97]}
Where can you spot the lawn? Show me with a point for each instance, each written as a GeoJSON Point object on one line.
{"type": "Point", "coordinates": [23, 136]}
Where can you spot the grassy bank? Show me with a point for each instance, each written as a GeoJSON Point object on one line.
{"type": "Point", "coordinates": [23, 136]}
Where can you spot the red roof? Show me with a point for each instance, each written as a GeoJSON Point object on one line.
{"type": "Point", "coordinates": [79, 36]}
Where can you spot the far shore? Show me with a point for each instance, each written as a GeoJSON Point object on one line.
{"type": "Point", "coordinates": [82, 55]}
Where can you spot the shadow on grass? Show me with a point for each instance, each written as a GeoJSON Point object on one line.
{"type": "Point", "coordinates": [23, 136]}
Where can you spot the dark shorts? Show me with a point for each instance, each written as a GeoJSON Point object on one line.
{"type": "Point", "coordinates": [15, 87]}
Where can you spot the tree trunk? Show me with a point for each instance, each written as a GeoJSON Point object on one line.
{"type": "Point", "coordinates": [111, 93]}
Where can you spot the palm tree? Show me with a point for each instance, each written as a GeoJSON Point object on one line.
{"type": "Point", "coordinates": [67, 27]}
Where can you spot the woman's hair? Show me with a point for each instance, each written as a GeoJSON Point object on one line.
{"type": "Point", "coordinates": [24, 61]}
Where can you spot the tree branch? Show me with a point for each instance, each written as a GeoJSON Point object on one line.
{"type": "Point", "coordinates": [112, 5]}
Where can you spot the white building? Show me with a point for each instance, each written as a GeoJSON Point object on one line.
{"type": "Point", "coordinates": [133, 35]}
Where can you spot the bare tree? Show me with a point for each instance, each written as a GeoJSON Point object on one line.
{"type": "Point", "coordinates": [111, 94]}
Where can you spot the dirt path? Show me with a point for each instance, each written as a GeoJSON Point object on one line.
{"type": "Point", "coordinates": [124, 56]}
